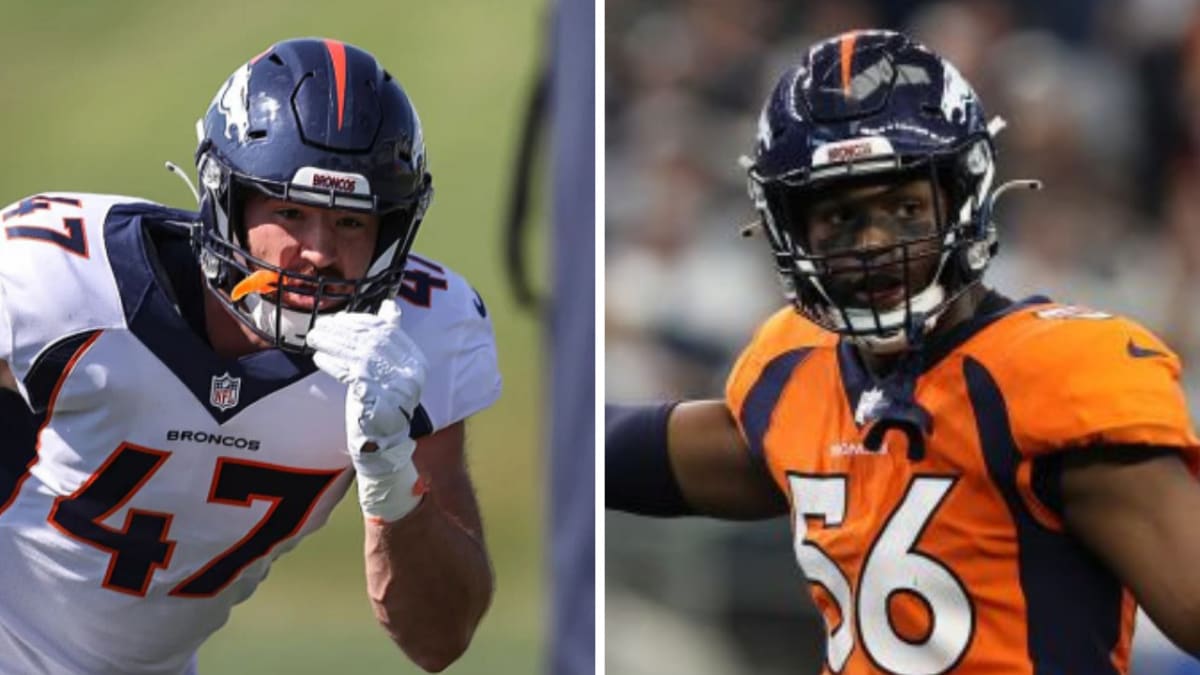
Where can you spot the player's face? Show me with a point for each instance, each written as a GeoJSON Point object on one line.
{"type": "Point", "coordinates": [310, 240]}
{"type": "Point", "coordinates": [858, 229]}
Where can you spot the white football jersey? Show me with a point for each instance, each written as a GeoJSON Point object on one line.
{"type": "Point", "coordinates": [166, 479]}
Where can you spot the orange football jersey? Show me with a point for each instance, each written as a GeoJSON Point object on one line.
{"type": "Point", "coordinates": [949, 559]}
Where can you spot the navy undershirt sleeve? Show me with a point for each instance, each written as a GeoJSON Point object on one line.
{"type": "Point", "coordinates": [638, 475]}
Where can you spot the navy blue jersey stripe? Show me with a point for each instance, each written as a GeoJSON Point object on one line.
{"type": "Point", "coordinates": [992, 308]}
{"type": "Point", "coordinates": [855, 376]}
{"type": "Point", "coordinates": [764, 396]}
{"type": "Point", "coordinates": [45, 372]}
{"type": "Point", "coordinates": [19, 423]}
{"type": "Point", "coordinates": [153, 319]}
{"type": "Point", "coordinates": [421, 424]}
{"type": "Point", "coordinates": [18, 442]}
{"type": "Point", "coordinates": [1073, 603]}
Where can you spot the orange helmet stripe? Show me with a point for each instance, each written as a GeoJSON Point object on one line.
{"type": "Point", "coordinates": [847, 54]}
{"type": "Point", "coordinates": [337, 54]}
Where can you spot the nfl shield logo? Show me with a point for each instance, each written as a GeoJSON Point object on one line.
{"type": "Point", "coordinates": [869, 405]}
{"type": "Point", "coordinates": [224, 394]}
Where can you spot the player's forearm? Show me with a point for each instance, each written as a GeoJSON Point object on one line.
{"type": "Point", "coordinates": [430, 582]}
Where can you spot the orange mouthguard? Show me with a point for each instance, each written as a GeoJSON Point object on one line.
{"type": "Point", "coordinates": [262, 281]}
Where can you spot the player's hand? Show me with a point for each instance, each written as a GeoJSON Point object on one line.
{"type": "Point", "coordinates": [384, 371]}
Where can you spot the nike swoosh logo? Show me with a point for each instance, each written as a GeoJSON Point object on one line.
{"type": "Point", "coordinates": [1141, 352]}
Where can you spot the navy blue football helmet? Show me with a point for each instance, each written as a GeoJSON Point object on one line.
{"type": "Point", "coordinates": [321, 123]}
{"type": "Point", "coordinates": [871, 107]}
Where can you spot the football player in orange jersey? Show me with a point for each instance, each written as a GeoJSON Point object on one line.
{"type": "Point", "coordinates": [976, 484]}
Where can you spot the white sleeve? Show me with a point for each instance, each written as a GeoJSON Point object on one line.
{"type": "Point", "coordinates": [476, 372]}
{"type": "Point", "coordinates": [6, 339]}
{"type": "Point", "coordinates": [50, 291]}
{"type": "Point", "coordinates": [455, 335]}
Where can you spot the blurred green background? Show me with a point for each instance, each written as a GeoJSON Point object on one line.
{"type": "Point", "coordinates": [95, 96]}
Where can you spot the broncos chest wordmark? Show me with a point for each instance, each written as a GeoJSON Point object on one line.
{"type": "Point", "coordinates": [142, 544]}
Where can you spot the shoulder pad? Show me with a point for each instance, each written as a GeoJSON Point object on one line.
{"type": "Point", "coordinates": [54, 271]}
{"type": "Point", "coordinates": [448, 320]}
{"type": "Point", "coordinates": [784, 332]}
{"type": "Point", "coordinates": [1072, 377]}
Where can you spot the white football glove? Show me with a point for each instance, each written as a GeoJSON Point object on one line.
{"type": "Point", "coordinates": [384, 371]}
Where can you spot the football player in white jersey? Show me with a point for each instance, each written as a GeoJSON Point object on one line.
{"type": "Point", "coordinates": [202, 388]}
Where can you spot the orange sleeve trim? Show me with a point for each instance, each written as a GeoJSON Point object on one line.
{"type": "Point", "coordinates": [1121, 651]}
{"type": "Point", "coordinates": [1044, 515]}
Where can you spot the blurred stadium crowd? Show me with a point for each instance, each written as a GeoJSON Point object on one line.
{"type": "Point", "coordinates": [1102, 100]}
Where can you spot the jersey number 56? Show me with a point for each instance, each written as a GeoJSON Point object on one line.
{"type": "Point", "coordinates": [892, 566]}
